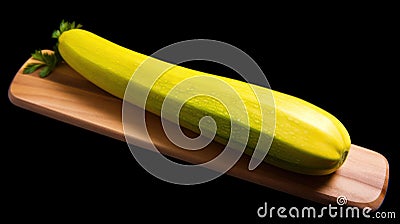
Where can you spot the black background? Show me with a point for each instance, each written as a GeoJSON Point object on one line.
{"type": "Point", "coordinates": [341, 58]}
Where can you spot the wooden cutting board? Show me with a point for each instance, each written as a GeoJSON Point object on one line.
{"type": "Point", "coordinates": [68, 97]}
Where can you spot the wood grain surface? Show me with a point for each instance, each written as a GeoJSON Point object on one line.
{"type": "Point", "coordinates": [68, 97]}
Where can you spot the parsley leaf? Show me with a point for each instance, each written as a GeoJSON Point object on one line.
{"type": "Point", "coordinates": [48, 61]}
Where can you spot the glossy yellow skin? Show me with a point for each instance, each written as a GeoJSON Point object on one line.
{"type": "Point", "coordinates": [307, 139]}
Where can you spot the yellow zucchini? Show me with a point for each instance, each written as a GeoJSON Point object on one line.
{"type": "Point", "coordinates": [307, 139]}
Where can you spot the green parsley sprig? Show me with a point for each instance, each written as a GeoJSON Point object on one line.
{"type": "Point", "coordinates": [48, 61]}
